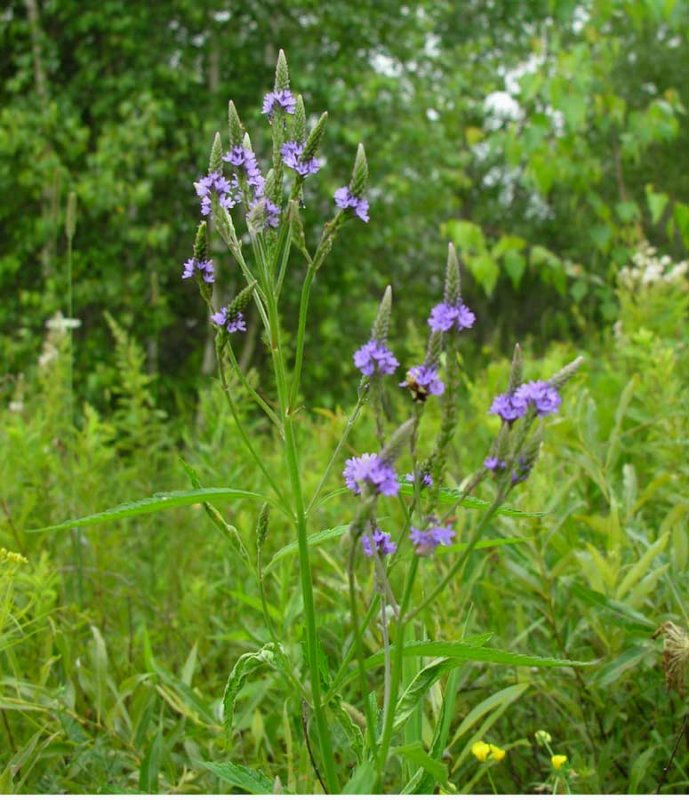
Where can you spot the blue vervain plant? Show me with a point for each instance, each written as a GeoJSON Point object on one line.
{"type": "Point", "coordinates": [235, 193]}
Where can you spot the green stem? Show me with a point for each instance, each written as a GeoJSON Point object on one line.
{"type": "Point", "coordinates": [76, 539]}
{"type": "Point", "coordinates": [337, 681]}
{"type": "Point", "coordinates": [359, 650]}
{"type": "Point", "coordinates": [250, 389]}
{"type": "Point", "coordinates": [460, 561]}
{"type": "Point", "coordinates": [240, 428]}
{"type": "Point", "coordinates": [301, 332]}
{"type": "Point", "coordinates": [398, 657]}
{"type": "Point", "coordinates": [345, 435]}
{"type": "Point", "coordinates": [293, 468]}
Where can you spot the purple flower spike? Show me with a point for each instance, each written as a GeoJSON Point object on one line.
{"type": "Point", "coordinates": [236, 156]}
{"type": "Point", "coordinates": [494, 464]}
{"type": "Point", "coordinates": [422, 381]}
{"type": "Point", "coordinates": [444, 317]}
{"type": "Point", "coordinates": [379, 541]}
{"type": "Point", "coordinates": [521, 473]}
{"type": "Point", "coordinates": [205, 269]}
{"type": "Point", "coordinates": [232, 322]}
{"type": "Point", "coordinates": [508, 406]}
{"type": "Point", "coordinates": [226, 191]}
{"type": "Point", "coordinates": [344, 199]}
{"type": "Point", "coordinates": [241, 156]}
{"type": "Point", "coordinates": [204, 185]}
{"type": "Point", "coordinates": [291, 155]}
{"type": "Point", "coordinates": [283, 99]}
{"type": "Point", "coordinates": [544, 397]}
{"type": "Point", "coordinates": [428, 539]}
{"type": "Point", "coordinates": [374, 357]}
{"type": "Point", "coordinates": [425, 478]}
{"type": "Point", "coordinates": [369, 471]}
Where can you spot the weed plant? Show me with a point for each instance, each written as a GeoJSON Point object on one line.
{"type": "Point", "coordinates": [274, 635]}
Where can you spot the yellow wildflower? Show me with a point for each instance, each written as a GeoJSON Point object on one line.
{"type": "Point", "coordinates": [9, 557]}
{"type": "Point", "coordinates": [480, 750]}
{"type": "Point", "coordinates": [558, 761]}
{"type": "Point", "coordinates": [497, 752]}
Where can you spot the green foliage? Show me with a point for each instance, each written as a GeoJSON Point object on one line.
{"type": "Point", "coordinates": [103, 694]}
{"type": "Point", "coordinates": [116, 641]}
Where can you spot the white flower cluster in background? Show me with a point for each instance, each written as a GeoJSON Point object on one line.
{"type": "Point", "coordinates": [648, 269]}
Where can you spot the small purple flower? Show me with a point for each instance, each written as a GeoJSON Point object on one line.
{"type": "Point", "coordinates": [264, 213]}
{"type": "Point", "coordinates": [544, 397]}
{"type": "Point", "coordinates": [444, 317]}
{"type": "Point", "coordinates": [371, 472]}
{"type": "Point", "coordinates": [494, 464]}
{"type": "Point", "coordinates": [237, 156]}
{"type": "Point", "coordinates": [204, 185]}
{"type": "Point", "coordinates": [431, 537]}
{"type": "Point", "coordinates": [291, 155]}
{"type": "Point", "coordinates": [233, 322]}
{"type": "Point", "coordinates": [378, 541]}
{"type": "Point", "coordinates": [345, 199]}
{"type": "Point", "coordinates": [205, 269]}
{"type": "Point", "coordinates": [422, 381]}
{"type": "Point", "coordinates": [375, 357]}
{"type": "Point", "coordinates": [240, 156]}
{"type": "Point", "coordinates": [272, 214]}
{"type": "Point", "coordinates": [521, 473]}
{"type": "Point", "coordinates": [425, 478]}
{"type": "Point", "coordinates": [283, 99]}
{"type": "Point", "coordinates": [509, 406]}
{"type": "Point", "coordinates": [227, 191]}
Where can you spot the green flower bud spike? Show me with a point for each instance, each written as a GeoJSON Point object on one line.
{"type": "Point", "coordinates": [359, 180]}
{"type": "Point", "coordinates": [215, 161]}
{"type": "Point", "coordinates": [516, 370]}
{"type": "Point", "coordinates": [281, 72]}
{"type": "Point", "coordinates": [397, 440]}
{"type": "Point", "coordinates": [434, 349]}
{"type": "Point", "coordinates": [314, 140]}
{"type": "Point", "coordinates": [560, 378]}
{"type": "Point", "coordinates": [71, 216]}
{"type": "Point", "coordinates": [299, 120]}
{"type": "Point", "coordinates": [453, 282]}
{"type": "Point", "coordinates": [235, 126]}
{"type": "Point", "coordinates": [242, 300]}
{"type": "Point", "coordinates": [262, 525]}
{"type": "Point", "coordinates": [379, 332]}
{"type": "Point", "coordinates": [201, 242]}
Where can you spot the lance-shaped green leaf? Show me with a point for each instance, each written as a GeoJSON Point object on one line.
{"type": "Point", "coordinates": [313, 540]}
{"type": "Point", "coordinates": [230, 533]}
{"type": "Point", "coordinates": [469, 651]}
{"type": "Point", "coordinates": [244, 778]}
{"type": "Point", "coordinates": [451, 496]}
{"type": "Point", "coordinates": [158, 502]}
{"type": "Point", "coordinates": [363, 780]}
{"type": "Point", "coordinates": [270, 655]}
{"type": "Point", "coordinates": [457, 652]}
